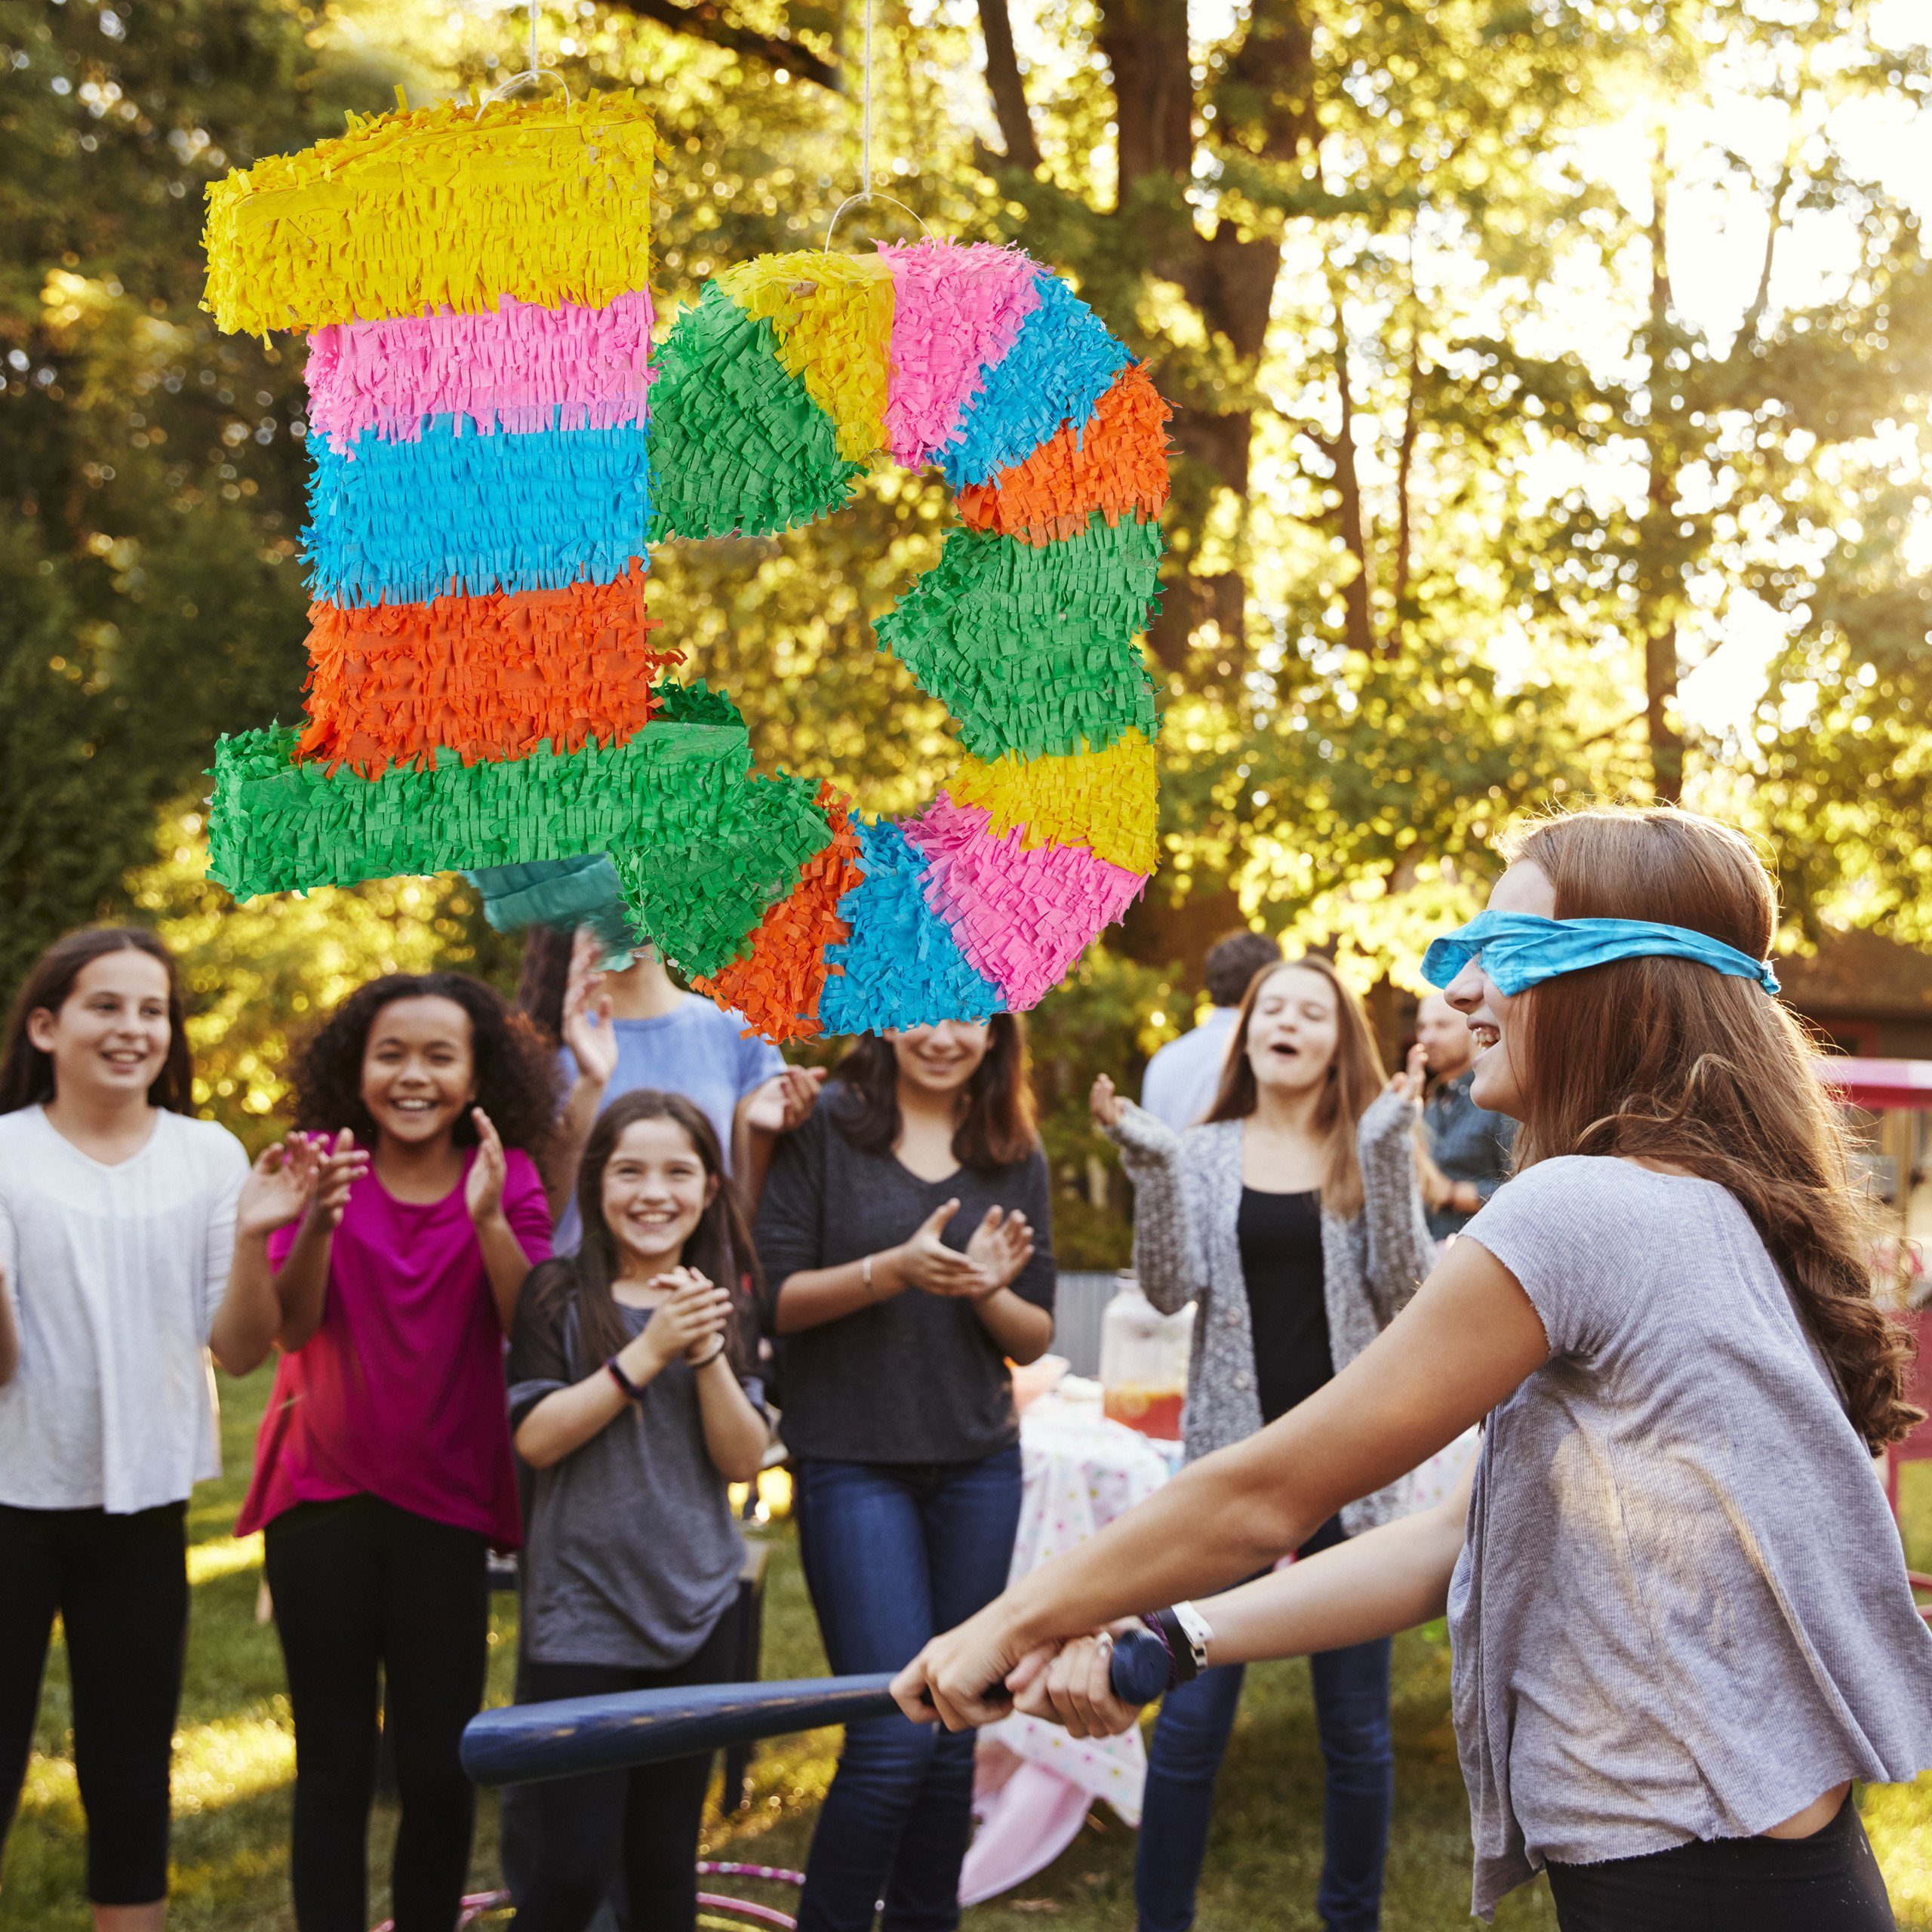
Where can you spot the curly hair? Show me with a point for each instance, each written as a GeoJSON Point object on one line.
{"type": "Point", "coordinates": [516, 1074]}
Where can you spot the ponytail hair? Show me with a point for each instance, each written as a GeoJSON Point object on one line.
{"type": "Point", "coordinates": [1664, 1060]}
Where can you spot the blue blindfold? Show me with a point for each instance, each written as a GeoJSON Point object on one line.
{"type": "Point", "coordinates": [1520, 949]}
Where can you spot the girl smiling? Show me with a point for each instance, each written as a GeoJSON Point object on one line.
{"type": "Point", "coordinates": [630, 1400]}
{"type": "Point", "coordinates": [1678, 1605]}
{"type": "Point", "coordinates": [382, 1470]}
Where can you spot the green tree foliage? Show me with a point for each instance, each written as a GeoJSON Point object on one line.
{"type": "Point", "coordinates": [150, 501]}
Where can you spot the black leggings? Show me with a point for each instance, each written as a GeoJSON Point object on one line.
{"type": "Point", "coordinates": [1829, 1882]}
{"type": "Point", "coordinates": [121, 1585]}
{"type": "Point", "coordinates": [580, 1831]}
{"type": "Point", "coordinates": [357, 1584]}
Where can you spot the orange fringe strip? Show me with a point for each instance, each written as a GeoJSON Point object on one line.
{"type": "Point", "coordinates": [1116, 462]}
{"type": "Point", "coordinates": [777, 984]}
{"type": "Point", "coordinates": [493, 677]}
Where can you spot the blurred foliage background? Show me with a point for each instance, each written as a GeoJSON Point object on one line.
{"type": "Point", "coordinates": [1551, 383]}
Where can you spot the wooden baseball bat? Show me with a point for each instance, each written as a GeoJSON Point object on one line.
{"type": "Point", "coordinates": [522, 1743]}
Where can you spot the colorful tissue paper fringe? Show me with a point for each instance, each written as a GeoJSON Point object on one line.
{"type": "Point", "coordinates": [957, 311]}
{"type": "Point", "coordinates": [1061, 363]}
{"type": "Point", "coordinates": [1034, 650]}
{"type": "Point", "coordinates": [496, 676]}
{"type": "Point", "coordinates": [1021, 914]}
{"type": "Point", "coordinates": [737, 445]}
{"type": "Point", "coordinates": [1108, 800]}
{"type": "Point", "coordinates": [776, 986]}
{"type": "Point", "coordinates": [545, 201]}
{"type": "Point", "coordinates": [1116, 462]}
{"type": "Point", "coordinates": [518, 366]}
{"type": "Point", "coordinates": [490, 468]}
{"type": "Point", "coordinates": [451, 512]}
{"type": "Point", "coordinates": [832, 317]}
{"type": "Point", "coordinates": [902, 966]}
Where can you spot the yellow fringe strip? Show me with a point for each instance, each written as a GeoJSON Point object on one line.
{"type": "Point", "coordinates": [1107, 801]}
{"type": "Point", "coordinates": [832, 315]}
{"type": "Point", "coordinates": [545, 200]}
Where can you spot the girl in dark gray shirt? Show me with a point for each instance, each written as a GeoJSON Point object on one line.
{"type": "Point", "coordinates": [630, 1400]}
{"type": "Point", "coordinates": [904, 1233]}
{"type": "Point", "coordinates": [1682, 1623]}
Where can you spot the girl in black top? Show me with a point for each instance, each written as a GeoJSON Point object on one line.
{"type": "Point", "coordinates": [904, 1229]}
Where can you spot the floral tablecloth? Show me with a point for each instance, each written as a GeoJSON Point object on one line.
{"type": "Point", "coordinates": [1034, 1782]}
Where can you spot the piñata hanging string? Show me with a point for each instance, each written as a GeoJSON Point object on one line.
{"type": "Point", "coordinates": [865, 194]}
{"type": "Point", "coordinates": [533, 71]}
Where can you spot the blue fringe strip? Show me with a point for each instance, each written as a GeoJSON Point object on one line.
{"type": "Point", "coordinates": [402, 523]}
{"type": "Point", "coordinates": [902, 967]}
{"type": "Point", "coordinates": [1062, 362]}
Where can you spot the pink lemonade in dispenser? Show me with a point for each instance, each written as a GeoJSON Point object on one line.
{"type": "Point", "coordinates": [1143, 1362]}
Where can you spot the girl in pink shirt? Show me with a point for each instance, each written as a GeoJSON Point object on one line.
{"type": "Point", "coordinates": [382, 1471]}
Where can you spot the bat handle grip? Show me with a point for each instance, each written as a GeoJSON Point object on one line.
{"type": "Point", "coordinates": [1137, 1675]}
{"type": "Point", "coordinates": [1139, 1672]}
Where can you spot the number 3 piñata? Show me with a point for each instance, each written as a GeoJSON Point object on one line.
{"type": "Point", "coordinates": [494, 448]}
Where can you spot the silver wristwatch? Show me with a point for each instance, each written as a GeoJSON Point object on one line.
{"type": "Point", "coordinates": [1194, 1628]}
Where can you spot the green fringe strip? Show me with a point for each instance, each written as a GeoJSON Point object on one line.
{"type": "Point", "coordinates": [702, 845]}
{"type": "Point", "coordinates": [1035, 649]}
{"type": "Point", "coordinates": [737, 445]}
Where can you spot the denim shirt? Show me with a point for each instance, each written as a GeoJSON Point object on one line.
{"type": "Point", "coordinates": [1468, 1142]}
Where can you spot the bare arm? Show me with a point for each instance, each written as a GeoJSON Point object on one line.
{"type": "Point", "coordinates": [814, 1296]}
{"type": "Point", "coordinates": [10, 1334]}
{"type": "Point", "coordinates": [504, 1259]}
{"type": "Point", "coordinates": [1023, 1332]}
{"type": "Point", "coordinates": [566, 1419]}
{"type": "Point", "coordinates": [591, 1037]}
{"type": "Point", "coordinates": [765, 1113]}
{"type": "Point", "coordinates": [1373, 1585]}
{"type": "Point", "coordinates": [735, 1435]}
{"type": "Point", "coordinates": [1466, 1340]}
{"type": "Point", "coordinates": [1386, 1579]}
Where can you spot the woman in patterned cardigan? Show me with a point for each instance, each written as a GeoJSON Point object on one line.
{"type": "Point", "coordinates": [1292, 1218]}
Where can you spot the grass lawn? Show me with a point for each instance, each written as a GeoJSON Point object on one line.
{"type": "Point", "coordinates": [235, 1761]}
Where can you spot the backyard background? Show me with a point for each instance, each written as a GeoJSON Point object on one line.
{"type": "Point", "coordinates": [234, 1764]}
{"type": "Point", "coordinates": [1551, 379]}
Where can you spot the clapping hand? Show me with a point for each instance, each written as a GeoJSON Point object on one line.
{"type": "Point", "coordinates": [1001, 1245]}
{"type": "Point", "coordinates": [589, 1030]}
{"type": "Point", "coordinates": [1410, 1082]}
{"type": "Point", "coordinates": [1106, 1104]}
{"type": "Point", "coordinates": [483, 1192]}
{"type": "Point", "coordinates": [928, 1263]}
{"type": "Point", "coordinates": [785, 1100]}
{"type": "Point", "coordinates": [301, 1173]}
{"type": "Point", "coordinates": [690, 1320]}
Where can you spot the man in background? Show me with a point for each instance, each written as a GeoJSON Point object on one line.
{"type": "Point", "coordinates": [1470, 1147]}
{"type": "Point", "coordinates": [1180, 1083]}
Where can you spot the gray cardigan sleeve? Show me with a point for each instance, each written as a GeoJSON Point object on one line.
{"type": "Point", "coordinates": [1400, 1252]}
{"type": "Point", "coordinates": [1170, 1257]}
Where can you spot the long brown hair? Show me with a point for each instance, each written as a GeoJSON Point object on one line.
{"type": "Point", "coordinates": [26, 1074]}
{"type": "Point", "coordinates": [719, 1247]}
{"type": "Point", "coordinates": [1355, 1076]}
{"type": "Point", "coordinates": [1666, 1061]}
{"type": "Point", "coordinates": [996, 1124]}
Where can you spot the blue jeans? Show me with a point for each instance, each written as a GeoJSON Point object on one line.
{"type": "Point", "coordinates": [894, 1554]}
{"type": "Point", "coordinates": [1190, 1737]}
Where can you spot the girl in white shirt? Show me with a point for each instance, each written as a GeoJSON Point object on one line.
{"type": "Point", "coordinates": [118, 1215]}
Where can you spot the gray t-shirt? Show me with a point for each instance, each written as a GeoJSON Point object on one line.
{"type": "Point", "coordinates": [631, 1554]}
{"type": "Point", "coordinates": [915, 1379]}
{"type": "Point", "coordinates": [1681, 1610]}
